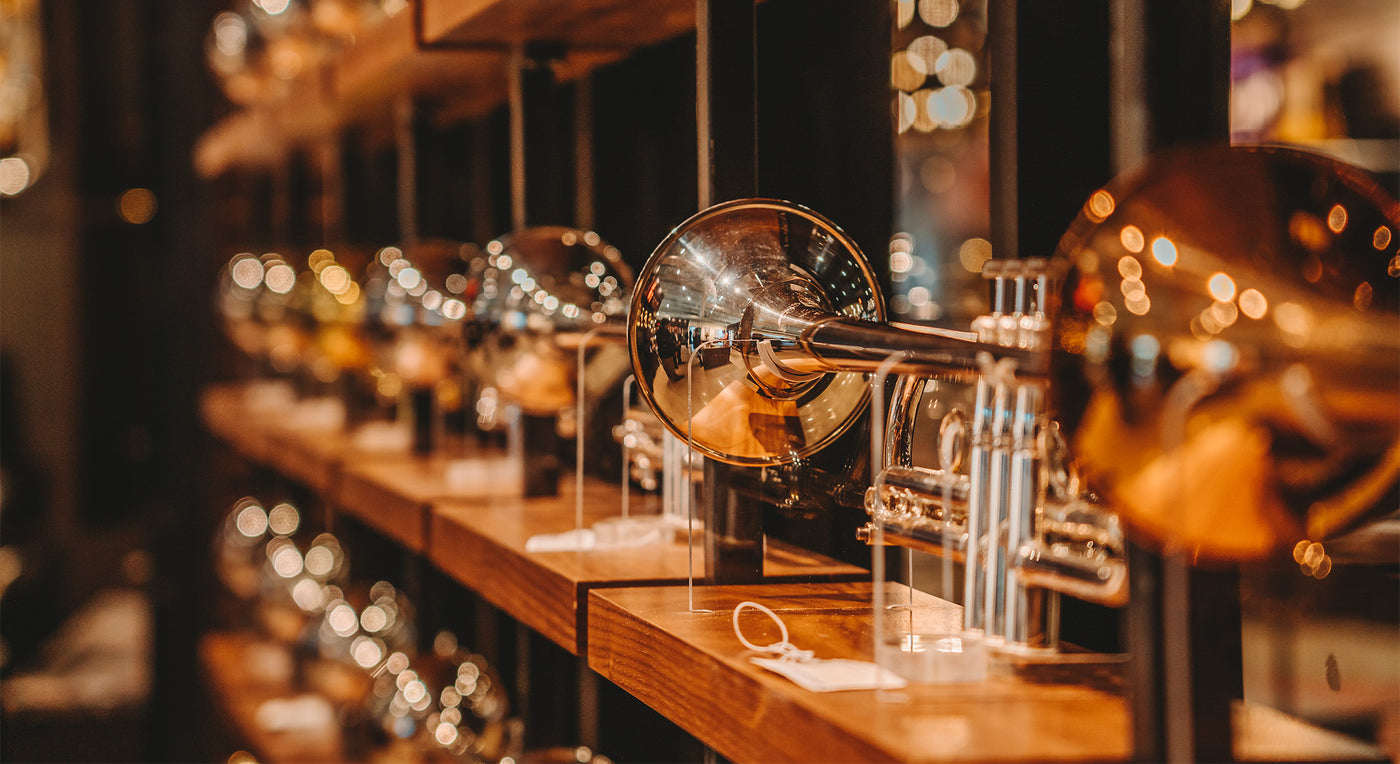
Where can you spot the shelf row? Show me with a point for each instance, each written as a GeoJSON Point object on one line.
{"type": "Point", "coordinates": [629, 614]}
{"type": "Point", "coordinates": [456, 53]}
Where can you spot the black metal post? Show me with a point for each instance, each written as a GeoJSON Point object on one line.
{"type": "Point", "coordinates": [1170, 85]}
{"type": "Point", "coordinates": [726, 111]}
{"type": "Point", "coordinates": [537, 195]}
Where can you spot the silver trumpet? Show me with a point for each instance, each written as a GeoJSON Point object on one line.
{"type": "Point", "coordinates": [753, 327]}
{"type": "Point", "coordinates": [1210, 363]}
{"type": "Point", "coordinates": [545, 291]}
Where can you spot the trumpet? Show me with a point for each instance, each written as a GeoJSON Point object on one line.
{"type": "Point", "coordinates": [1207, 324]}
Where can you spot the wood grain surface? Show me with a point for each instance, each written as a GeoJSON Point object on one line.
{"type": "Point", "coordinates": [225, 659]}
{"type": "Point", "coordinates": [620, 24]}
{"type": "Point", "coordinates": [481, 544]}
{"type": "Point", "coordinates": [691, 668]}
{"type": "Point", "coordinates": [227, 416]}
{"type": "Point", "coordinates": [462, 62]}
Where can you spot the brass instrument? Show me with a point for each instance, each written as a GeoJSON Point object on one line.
{"type": "Point", "coordinates": [1228, 349]}
{"type": "Point", "coordinates": [545, 289]}
{"type": "Point", "coordinates": [752, 328]}
{"type": "Point", "coordinates": [1210, 362]}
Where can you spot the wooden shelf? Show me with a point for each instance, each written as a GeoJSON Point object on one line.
{"type": "Point", "coordinates": [227, 415]}
{"type": "Point", "coordinates": [229, 661]}
{"type": "Point", "coordinates": [628, 612]}
{"type": "Point", "coordinates": [690, 667]}
{"type": "Point", "coordinates": [481, 544]}
{"type": "Point", "coordinates": [395, 496]}
{"type": "Point", "coordinates": [621, 25]}
{"type": "Point", "coordinates": [459, 58]}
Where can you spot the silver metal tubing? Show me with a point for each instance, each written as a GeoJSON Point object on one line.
{"type": "Point", "coordinates": [975, 568]}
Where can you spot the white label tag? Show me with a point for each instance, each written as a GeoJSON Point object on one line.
{"type": "Point", "coordinates": [832, 675]}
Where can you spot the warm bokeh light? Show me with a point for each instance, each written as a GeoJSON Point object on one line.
{"type": "Point", "coordinates": [953, 106]}
{"type": "Point", "coordinates": [319, 561]}
{"type": "Point", "coordinates": [230, 34]}
{"type": "Point", "coordinates": [901, 262]}
{"type": "Point", "coordinates": [938, 13]}
{"type": "Point", "coordinates": [1221, 287]}
{"type": "Point", "coordinates": [1129, 267]}
{"type": "Point", "coordinates": [246, 271]}
{"type": "Point", "coordinates": [286, 561]}
{"type": "Point", "coordinates": [905, 74]}
{"type": "Point", "coordinates": [1225, 313]}
{"type": "Point", "coordinates": [335, 279]}
{"type": "Point", "coordinates": [1294, 320]}
{"type": "Point", "coordinates": [924, 52]}
{"type": "Point", "coordinates": [924, 120]}
{"type": "Point", "coordinates": [1309, 231]}
{"type": "Point", "coordinates": [974, 253]}
{"type": "Point", "coordinates": [342, 620]}
{"type": "Point", "coordinates": [904, 12]}
{"type": "Point", "coordinates": [251, 521]}
{"type": "Point", "coordinates": [15, 175]}
{"type": "Point", "coordinates": [1100, 206]}
{"type": "Point", "coordinates": [1164, 251]}
{"type": "Point", "coordinates": [374, 619]}
{"type": "Point", "coordinates": [280, 278]}
{"type": "Point", "coordinates": [307, 594]}
{"type": "Point", "coordinates": [366, 652]}
{"type": "Point", "coordinates": [284, 519]}
{"type": "Point", "coordinates": [137, 205]}
{"type": "Point", "coordinates": [1361, 298]}
{"type": "Point", "coordinates": [1253, 303]}
{"type": "Point", "coordinates": [1337, 218]}
{"type": "Point", "coordinates": [273, 7]}
{"type": "Point", "coordinates": [1132, 239]}
{"type": "Point", "coordinates": [956, 67]}
{"type": "Point", "coordinates": [1381, 238]}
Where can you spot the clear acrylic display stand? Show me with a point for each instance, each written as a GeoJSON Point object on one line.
{"type": "Point", "coordinates": [624, 530]}
{"type": "Point", "coordinates": [908, 641]}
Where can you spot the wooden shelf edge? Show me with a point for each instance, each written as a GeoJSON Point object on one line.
{"type": "Point", "coordinates": [690, 667]}
{"type": "Point", "coordinates": [461, 64]}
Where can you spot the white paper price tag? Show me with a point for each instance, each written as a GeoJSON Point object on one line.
{"type": "Point", "coordinates": [810, 672]}
{"type": "Point", "coordinates": [832, 675]}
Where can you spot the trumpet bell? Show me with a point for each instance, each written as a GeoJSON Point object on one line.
{"type": "Point", "coordinates": [735, 281]}
{"type": "Point", "coordinates": [547, 289]}
{"type": "Point", "coordinates": [1227, 349]}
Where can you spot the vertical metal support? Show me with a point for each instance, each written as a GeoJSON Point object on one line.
{"type": "Point", "coordinates": [406, 146]}
{"type": "Point", "coordinates": [726, 112]}
{"type": "Point", "coordinates": [1169, 84]}
{"type": "Point", "coordinates": [1128, 125]}
{"type": "Point", "coordinates": [329, 157]}
{"type": "Point", "coordinates": [516, 93]}
{"type": "Point", "coordinates": [733, 529]}
{"type": "Point", "coordinates": [726, 99]}
{"type": "Point", "coordinates": [583, 152]}
{"type": "Point", "coordinates": [532, 146]}
{"type": "Point", "coordinates": [538, 159]}
{"type": "Point", "coordinates": [1001, 127]}
{"type": "Point", "coordinates": [483, 206]}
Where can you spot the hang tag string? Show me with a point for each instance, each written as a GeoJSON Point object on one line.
{"type": "Point", "coordinates": [783, 649]}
